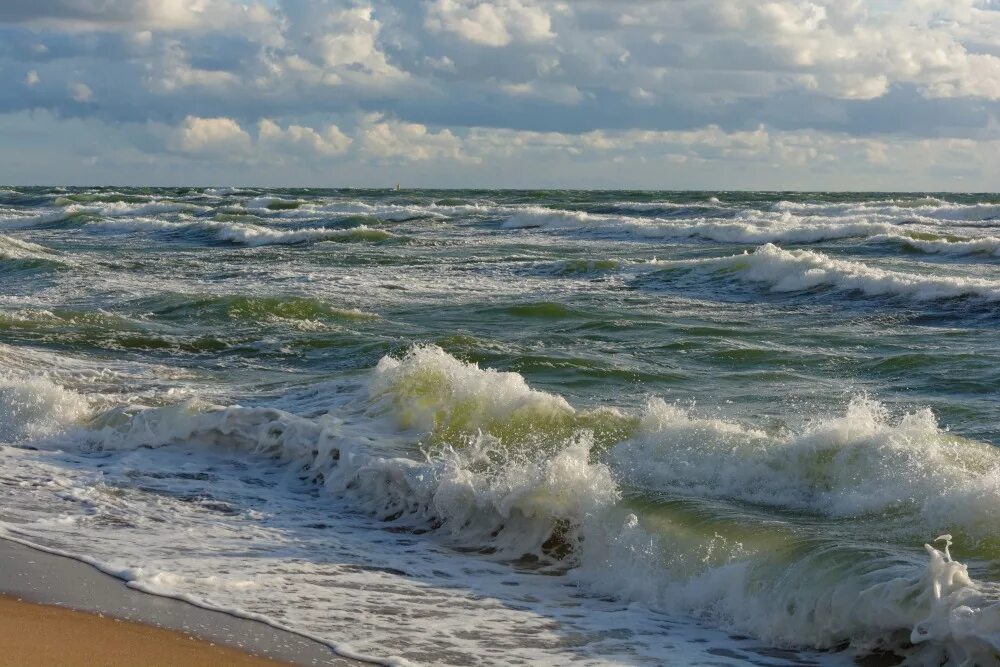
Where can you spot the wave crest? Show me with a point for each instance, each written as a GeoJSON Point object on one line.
{"type": "Point", "coordinates": [800, 270]}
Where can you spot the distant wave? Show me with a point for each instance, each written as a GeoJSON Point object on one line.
{"type": "Point", "coordinates": [19, 254]}
{"type": "Point", "coordinates": [985, 246]}
{"type": "Point", "coordinates": [249, 234]}
{"type": "Point", "coordinates": [928, 207]}
{"type": "Point", "coordinates": [11, 248]}
{"type": "Point", "coordinates": [797, 270]}
{"type": "Point", "coordinates": [729, 231]}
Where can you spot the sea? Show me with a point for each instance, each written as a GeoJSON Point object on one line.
{"type": "Point", "coordinates": [496, 427]}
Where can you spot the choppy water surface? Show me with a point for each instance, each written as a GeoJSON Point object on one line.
{"type": "Point", "coordinates": [468, 427]}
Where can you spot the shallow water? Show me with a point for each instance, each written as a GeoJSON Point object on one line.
{"type": "Point", "coordinates": [458, 427]}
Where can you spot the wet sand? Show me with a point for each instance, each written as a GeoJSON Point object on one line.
{"type": "Point", "coordinates": [34, 634]}
{"type": "Point", "coordinates": [60, 634]}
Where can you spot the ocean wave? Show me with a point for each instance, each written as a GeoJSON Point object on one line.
{"type": "Point", "coordinates": [18, 255]}
{"type": "Point", "coordinates": [492, 465]}
{"type": "Point", "coordinates": [273, 203]}
{"type": "Point", "coordinates": [11, 248]}
{"type": "Point", "coordinates": [711, 207]}
{"type": "Point", "coordinates": [860, 463]}
{"type": "Point", "coordinates": [508, 468]}
{"type": "Point", "coordinates": [824, 595]}
{"type": "Point", "coordinates": [107, 197]}
{"type": "Point", "coordinates": [387, 212]}
{"type": "Point", "coordinates": [801, 270]}
{"type": "Point", "coordinates": [292, 209]}
{"type": "Point", "coordinates": [754, 231]}
{"type": "Point", "coordinates": [49, 219]}
{"type": "Point", "coordinates": [33, 406]}
{"type": "Point", "coordinates": [254, 235]}
{"type": "Point", "coordinates": [572, 267]}
{"type": "Point", "coordinates": [249, 234]}
{"type": "Point", "coordinates": [926, 207]}
{"type": "Point", "coordinates": [76, 212]}
{"type": "Point", "coordinates": [225, 192]}
{"type": "Point", "coordinates": [988, 246]}
{"type": "Point", "coordinates": [118, 209]}
{"type": "Point", "coordinates": [253, 309]}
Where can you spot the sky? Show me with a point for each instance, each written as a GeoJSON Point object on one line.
{"type": "Point", "coordinates": [652, 94]}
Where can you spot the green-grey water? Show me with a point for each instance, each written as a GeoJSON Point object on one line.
{"type": "Point", "coordinates": [731, 413]}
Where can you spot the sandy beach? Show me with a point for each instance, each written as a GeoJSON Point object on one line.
{"type": "Point", "coordinates": [34, 634]}
{"type": "Point", "coordinates": [59, 611]}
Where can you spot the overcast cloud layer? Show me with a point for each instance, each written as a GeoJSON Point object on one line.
{"type": "Point", "coordinates": [717, 94]}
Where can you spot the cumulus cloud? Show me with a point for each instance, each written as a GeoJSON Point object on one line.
{"type": "Point", "coordinates": [80, 92]}
{"type": "Point", "coordinates": [175, 71]}
{"type": "Point", "coordinates": [787, 83]}
{"type": "Point", "coordinates": [492, 23]}
{"type": "Point", "coordinates": [843, 48]}
{"type": "Point", "coordinates": [115, 15]}
{"type": "Point", "coordinates": [214, 136]}
{"type": "Point", "coordinates": [330, 141]}
{"type": "Point", "coordinates": [332, 43]}
{"type": "Point", "coordinates": [408, 142]}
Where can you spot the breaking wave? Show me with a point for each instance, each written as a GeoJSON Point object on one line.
{"type": "Point", "coordinates": [722, 231]}
{"type": "Point", "coordinates": [988, 246]}
{"type": "Point", "coordinates": [16, 254]}
{"type": "Point", "coordinates": [800, 270]}
{"type": "Point", "coordinates": [490, 464]}
{"type": "Point", "coordinates": [249, 234]}
{"type": "Point", "coordinates": [31, 407]}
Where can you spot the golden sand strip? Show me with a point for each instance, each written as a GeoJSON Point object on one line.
{"type": "Point", "coordinates": [34, 634]}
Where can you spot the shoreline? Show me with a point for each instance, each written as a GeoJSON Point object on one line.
{"type": "Point", "coordinates": [31, 577]}
{"type": "Point", "coordinates": [87, 639]}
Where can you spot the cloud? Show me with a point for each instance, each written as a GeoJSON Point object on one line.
{"type": "Point", "coordinates": [80, 92]}
{"type": "Point", "coordinates": [490, 23]}
{"type": "Point", "coordinates": [842, 48]}
{"type": "Point", "coordinates": [299, 139]}
{"type": "Point", "coordinates": [274, 83]}
{"type": "Point", "coordinates": [383, 150]}
{"type": "Point", "coordinates": [408, 142]}
{"type": "Point", "coordinates": [330, 44]}
{"type": "Point", "coordinates": [214, 136]}
{"type": "Point", "coordinates": [554, 92]}
{"type": "Point", "coordinates": [175, 71]}
{"type": "Point", "coordinates": [119, 15]}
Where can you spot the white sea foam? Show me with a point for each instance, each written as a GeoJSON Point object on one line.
{"type": "Point", "coordinates": [751, 230]}
{"type": "Point", "coordinates": [478, 486]}
{"type": "Point", "coordinates": [796, 270]}
{"type": "Point", "coordinates": [927, 207]}
{"type": "Point", "coordinates": [247, 233]}
{"type": "Point", "coordinates": [255, 235]}
{"type": "Point", "coordinates": [32, 407]}
{"type": "Point", "coordinates": [984, 246]}
{"type": "Point", "coordinates": [16, 249]}
{"type": "Point", "coordinates": [388, 212]}
{"type": "Point", "coordinates": [831, 594]}
{"type": "Point", "coordinates": [861, 463]}
{"type": "Point", "coordinates": [513, 470]}
{"type": "Point", "coordinates": [123, 209]}
{"type": "Point", "coordinates": [42, 219]}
